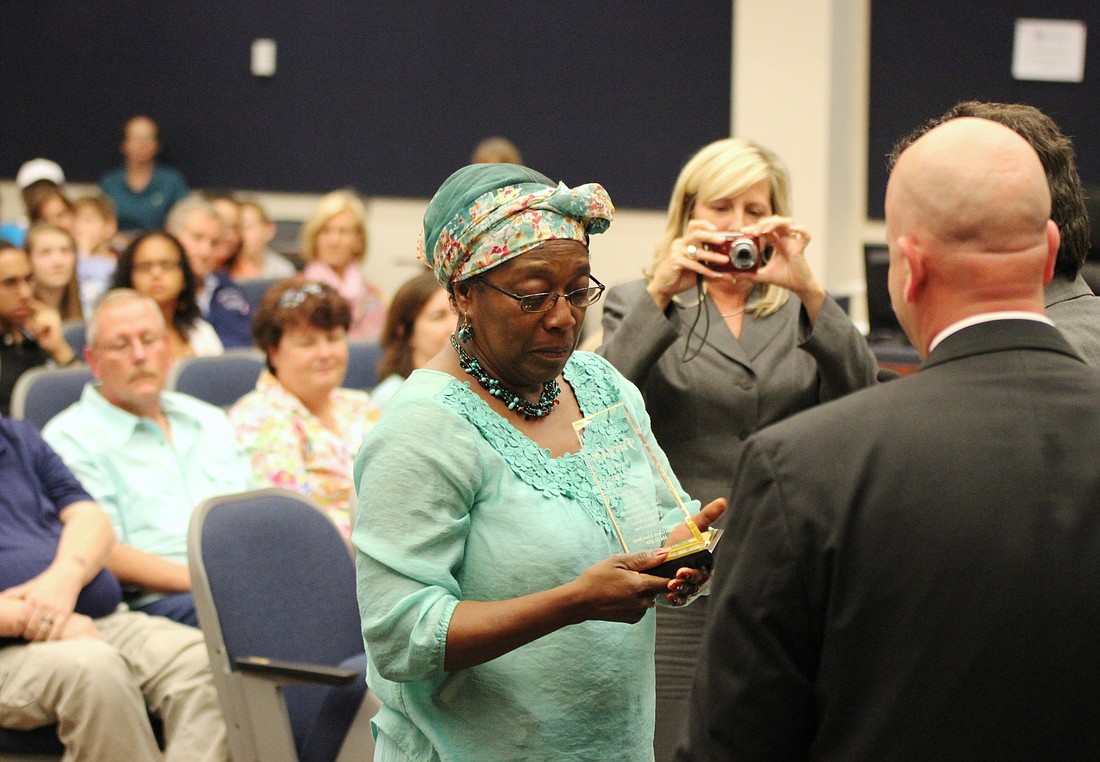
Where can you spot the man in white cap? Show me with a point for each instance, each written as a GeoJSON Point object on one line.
{"type": "Point", "coordinates": [33, 176]}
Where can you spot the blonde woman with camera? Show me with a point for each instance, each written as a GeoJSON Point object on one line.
{"type": "Point", "coordinates": [720, 349]}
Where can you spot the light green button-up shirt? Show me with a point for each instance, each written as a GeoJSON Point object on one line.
{"type": "Point", "coordinates": [147, 484]}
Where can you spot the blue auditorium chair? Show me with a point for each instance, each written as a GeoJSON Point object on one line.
{"type": "Point", "coordinates": [220, 379]}
{"type": "Point", "coordinates": [42, 393]}
{"type": "Point", "coordinates": [254, 290]}
{"type": "Point", "coordinates": [362, 365]}
{"type": "Point", "coordinates": [274, 587]}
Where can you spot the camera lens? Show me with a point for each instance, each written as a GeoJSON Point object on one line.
{"type": "Point", "coordinates": [743, 254]}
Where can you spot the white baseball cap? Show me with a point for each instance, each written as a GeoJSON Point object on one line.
{"type": "Point", "coordinates": [39, 169]}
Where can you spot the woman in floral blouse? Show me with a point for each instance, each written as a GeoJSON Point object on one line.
{"type": "Point", "coordinates": [299, 427]}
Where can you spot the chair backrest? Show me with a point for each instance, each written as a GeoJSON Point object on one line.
{"type": "Point", "coordinates": [254, 290]}
{"type": "Point", "coordinates": [286, 240]}
{"type": "Point", "coordinates": [74, 332]}
{"type": "Point", "coordinates": [272, 577]}
{"type": "Point", "coordinates": [362, 365]}
{"type": "Point", "coordinates": [42, 393]}
{"type": "Point", "coordinates": [219, 379]}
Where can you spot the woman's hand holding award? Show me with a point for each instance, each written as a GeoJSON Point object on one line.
{"type": "Point", "coordinates": [634, 487]}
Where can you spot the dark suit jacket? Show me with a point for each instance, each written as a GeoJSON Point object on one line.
{"type": "Point", "coordinates": [913, 572]}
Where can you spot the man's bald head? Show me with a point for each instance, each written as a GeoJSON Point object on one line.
{"type": "Point", "coordinates": [968, 223]}
{"type": "Point", "coordinates": [971, 183]}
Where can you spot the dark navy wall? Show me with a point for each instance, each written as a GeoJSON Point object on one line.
{"type": "Point", "coordinates": [387, 96]}
{"type": "Point", "coordinates": [927, 56]}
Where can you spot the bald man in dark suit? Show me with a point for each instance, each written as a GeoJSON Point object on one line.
{"type": "Point", "coordinates": [913, 571]}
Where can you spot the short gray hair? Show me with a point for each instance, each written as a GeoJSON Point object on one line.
{"type": "Point", "coordinates": [116, 296]}
{"type": "Point", "coordinates": [177, 216]}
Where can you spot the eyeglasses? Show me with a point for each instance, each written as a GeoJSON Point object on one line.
{"type": "Point", "coordinates": [292, 297]}
{"type": "Point", "coordinates": [164, 265]}
{"type": "Point", "coordinates": [582, 297]}
{"type": "Point", "coordinates": [123, 345]}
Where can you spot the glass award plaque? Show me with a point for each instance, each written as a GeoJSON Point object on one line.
{"type": "Point", "coordinates": [635, 488]}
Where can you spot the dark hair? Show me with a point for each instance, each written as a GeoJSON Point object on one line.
{"type": "Point", "coordinates": [187, 311]}
{"type": "Point", "coordinates": [38, 193]}
{"type": "Point", "coordinates": [1057, 157]}
{"type": "Point", "coordinates": [406, 306]}
{"type": "Point", "coordinates": [313, 304]}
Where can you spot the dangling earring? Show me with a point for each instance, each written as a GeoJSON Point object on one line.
{"type": "Point", "coordinates": [466, 330]}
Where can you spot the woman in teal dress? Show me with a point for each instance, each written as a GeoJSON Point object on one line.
{"type": "Point", "coordinates": [501, 618]}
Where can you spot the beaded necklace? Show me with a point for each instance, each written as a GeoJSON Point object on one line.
{"type": "Point", "coordinates": [529, 410]}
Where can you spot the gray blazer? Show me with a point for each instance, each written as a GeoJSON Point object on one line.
{"type": "Point", "coordinates": [704, 407]}
{"type": "Point", "coordinates": [1076, 311]}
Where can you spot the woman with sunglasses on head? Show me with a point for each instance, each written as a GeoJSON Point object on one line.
{"type": "Point", "coordinates": [720, 352]}
{"type": "Point", "coordinates": [154, 264]}
{"type": "Point", "coordinates": [299, 427]}
{"type": "Point", "coordinates": [501, 617]}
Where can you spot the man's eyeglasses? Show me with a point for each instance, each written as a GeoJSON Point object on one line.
{"type": "Point", "coordinates": [292, 297]}
{"type": "Point", "coordinates": [582, 297]}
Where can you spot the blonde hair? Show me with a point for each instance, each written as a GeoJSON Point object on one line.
{"type": "Point", "coordinates": [720, 170]}
{"type": "Point", "coordinates": [330, 205]}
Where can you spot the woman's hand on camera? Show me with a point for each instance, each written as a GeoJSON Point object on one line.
{"type": "Point", "coordinates": [686, 261]}
{"type": "Point", "coordinates": [788, 266]}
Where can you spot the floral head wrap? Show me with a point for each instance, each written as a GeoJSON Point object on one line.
{"type": "Point", "coordinates": [485, 214]}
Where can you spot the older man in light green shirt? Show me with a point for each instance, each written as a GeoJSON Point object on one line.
{"type": "Point", "coordinates": [148, 456]}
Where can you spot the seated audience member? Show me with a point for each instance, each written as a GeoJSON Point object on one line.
{"type": "Point", "coordinates": [71, 655]}
{"type": "Point", "coordinates": [910, 571]}
{"type": "Point", "coordinates": [53, 269]}
{"type": "Point", "coordinates": [46, 202]}
{"type": "Point", "coordinates": [418, 325]}
{"type": "Point", "coordinates": [1070, 302]}
{"type": "Point", "coordinates": [299, 427]}
{"type": "Point", "coordinates": [227, 246]}
{"type": "Point", "coordinates": [334, 243]}
{"type": "Point", "coordinates": [94, 227]}
{"type": "Point", "coordinates": [198, 227]}
{"type": "Point", "coordinates": [142, 189]}
{"type": "Point", "coordinates": [30, 333]}
{"type": "Point", "coordinates": [32, 177]}
{"type": "Point", "coordinates": [496, 150]}
{"type": "Point", "coordinates": [257, 259]}
{"type": "Point", "coordinates": [154, 264]}
{"type": "Point", "coordinates": [149, 456]}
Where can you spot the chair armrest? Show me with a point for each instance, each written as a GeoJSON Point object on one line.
{"type": "Point", "coordinates": [288, 672]}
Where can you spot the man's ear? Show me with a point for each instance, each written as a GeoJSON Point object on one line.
{"type": "Point", "coordinates": [1054, 242]}
{"type": "Point", "coordinates": [913, 254]}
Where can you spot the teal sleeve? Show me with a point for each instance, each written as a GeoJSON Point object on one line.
{"type": "Point", "coordinates": [417, 478]}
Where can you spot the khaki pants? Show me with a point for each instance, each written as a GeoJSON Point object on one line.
{"type": "Point", "coordinates": [98, 691]}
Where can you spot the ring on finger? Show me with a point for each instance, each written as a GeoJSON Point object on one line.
{"type": "Point", "coordinates": [690, 251]}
